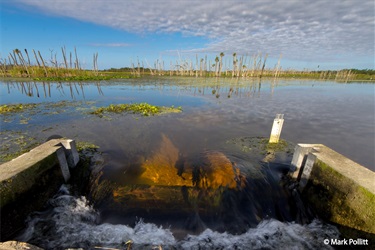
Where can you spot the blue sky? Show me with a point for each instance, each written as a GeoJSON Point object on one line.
{"type": "Point", "coordinates": [333, 34]}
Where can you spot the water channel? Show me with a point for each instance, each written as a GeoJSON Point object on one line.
{"type": "Point", "coordinates": [243, 203]}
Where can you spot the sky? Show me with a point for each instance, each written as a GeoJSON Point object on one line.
{"type": "Point", "coordinates": [313, 35]}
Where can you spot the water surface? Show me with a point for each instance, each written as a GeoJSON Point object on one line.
{"type": "Point", "coordinates": [222, 119]}
{"type": "Point", "coordinates": [338, 115]}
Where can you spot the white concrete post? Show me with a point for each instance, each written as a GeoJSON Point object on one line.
{"type": "Point", "coordinates": [305, 176]}
{"type": "Point", "coordinates": [276, 128]}
{"type": "Point", "coordinates": [72, 155]}
{"type": "Point", "coordinates": [63, 163]}
{"type": "Point", "coordinates": [300, 154]}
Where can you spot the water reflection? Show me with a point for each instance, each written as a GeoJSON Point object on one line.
{"type": "Point", "coordinates": [219, 88]}
{"type": "Point", "coordinates": [316, 111]}
{"type": "Point", "coordinates": [47, 89]}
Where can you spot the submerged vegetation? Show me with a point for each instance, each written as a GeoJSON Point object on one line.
{"type": "Point", "coordinates": [24, 113]}
{"type": "Point", "coordinates": [144, 109]}
{"type": "Point", "coordinates": [14, 144]}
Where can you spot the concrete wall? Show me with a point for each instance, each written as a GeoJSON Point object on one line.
{"type": "Point", "coordinates": [337, 188]}
{"type": "Point", "coordinates": [28, 181]}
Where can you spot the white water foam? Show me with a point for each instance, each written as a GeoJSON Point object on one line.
{"type": "Point", "coordinates": [72, 222]}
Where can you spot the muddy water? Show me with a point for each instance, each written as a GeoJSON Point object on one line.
{"type": "Point", "coordinates": [222, 123]}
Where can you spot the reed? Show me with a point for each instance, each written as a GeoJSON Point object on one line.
{"type": "Point", "coordinates": [204, 67]}
{"type": "Point", "coordinates": [20, 64]}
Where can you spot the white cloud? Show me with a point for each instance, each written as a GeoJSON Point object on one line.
{"type": "Point", "coordinates": [300, 29]}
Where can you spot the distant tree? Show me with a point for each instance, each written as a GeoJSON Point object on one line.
{"type": "Point", "coordinates": [221, 62]}
{"type": "Point", "coordinates": [234, 64]}
{"type": "Point", "coordinates": [217, 66]}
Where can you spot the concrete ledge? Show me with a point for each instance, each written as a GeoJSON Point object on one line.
{"type": "Point", "coordinates": [29, 180]}
{"type": "Point", "coordinates": [337, 188]}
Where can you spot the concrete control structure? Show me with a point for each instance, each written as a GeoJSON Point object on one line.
{"type": "Point", "coordinates": [339, 189]}
{"type": "Point", "coordinates": [29, 180]}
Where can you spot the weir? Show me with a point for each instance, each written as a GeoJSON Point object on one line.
{"type": "Point", "coordinates": [28, 181]}
{"type": "Point", "coordinates": [339, 189]}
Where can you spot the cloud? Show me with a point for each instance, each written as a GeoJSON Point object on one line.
{"type": "Point", "coordinates": [300, 29]}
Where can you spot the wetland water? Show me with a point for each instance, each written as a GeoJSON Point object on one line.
{"type": "Point", "coordinates": [222, 121]}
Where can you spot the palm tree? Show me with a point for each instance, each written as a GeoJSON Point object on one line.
{"type": "Point", "coordinates": [217, 66]}
{"type": "Point", "coordinates": [234, 63]}
{"type": "Point", "coordinates": [201, 67]}
{"type": "Point", "coordinates": [221, 62]}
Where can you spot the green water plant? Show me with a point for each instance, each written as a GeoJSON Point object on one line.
{"type": "Point", "coordinates": [14, 144]}
{"type": "Point", "coordinates": [144, 109]}
{"type": "Point", "coordinates": [12, 108]}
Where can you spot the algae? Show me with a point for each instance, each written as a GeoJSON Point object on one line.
{"type": "Point", "coordinates": [144, 109]}
{"type": "Point", "coordinates": [339, 199]}
{"type": "Point", "coordinates": [16, 108]}
{"type": "Point", "coordinates": [14, 144]}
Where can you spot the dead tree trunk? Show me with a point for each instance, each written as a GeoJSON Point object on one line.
{"type": "Point", "coordinates": [44, 65]}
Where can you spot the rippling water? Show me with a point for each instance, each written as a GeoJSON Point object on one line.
{"type": "Point", "coordinates": [70, 222]}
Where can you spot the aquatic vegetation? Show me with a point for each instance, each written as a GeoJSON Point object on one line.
{"type": "Point", "coordinates": [14, 144]}
{"type": "Point", "coordinates": [144, 109]}
{"type": "Point", "coordinates": [24, 113]}
{"type": "Point", "coordinates": [282, 145]}
{"type": "Point", "coordinates": [12, 108]}
{"type": "Point", "coordinates": [261, 144]}
{"type": "Point", "coordinates": [83, 146]}
{"type": "Point", "coordinates": [260, 147]}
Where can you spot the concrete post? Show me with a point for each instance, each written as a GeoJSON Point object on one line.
{"type": "Point", "coordinates": [299, 158]}
{"type": "Point", "coordinates": [63, 163]}
{"type": "Point", "coordinates": [71, 152]}
{"type": "Point", "coordinates": [276, 128]}
{"type": "Point", "coordinates": [305, 175]}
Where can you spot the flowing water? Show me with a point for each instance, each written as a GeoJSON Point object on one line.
{"type": "Point", "coordinates": [157, 181]}
{"type": "Point", "coordinates": [71, 222]}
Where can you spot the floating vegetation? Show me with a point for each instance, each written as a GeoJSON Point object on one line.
{"type": "Point", "coordinates": [24, 113]}
{"type": "Point", "coordinates": [14, 144]}
{"type": "Point", "coordinates": [261, 144]}
{"type": "Point", "coordinates": [13, 108]}
{"type": "Point", "coordinates": [144, 109]}
{"type": "Point", "coordinates": [83, 146]}
{"type": "Point", "coordinates": [282, 145]}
